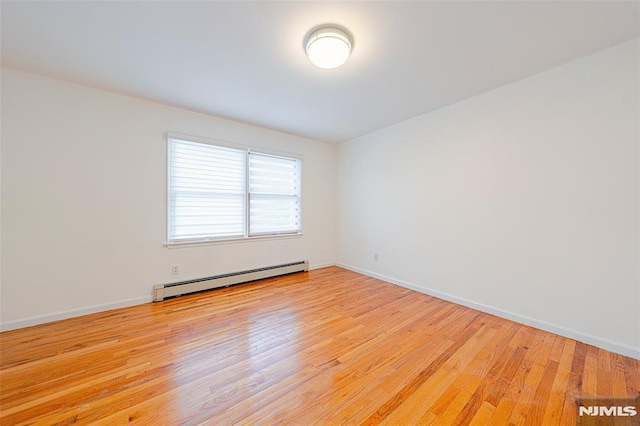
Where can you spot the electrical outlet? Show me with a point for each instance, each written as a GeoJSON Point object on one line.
{"type": "Point", "coordinates": [375, 256]}
{"type": "Point", "coordinates": [175, 269]}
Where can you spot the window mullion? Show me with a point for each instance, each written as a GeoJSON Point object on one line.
{"type": "Point", "coordinates": [247, 207]}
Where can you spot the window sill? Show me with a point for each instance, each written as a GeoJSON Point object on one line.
{"type": "Point", "coordinates": [230, 241]}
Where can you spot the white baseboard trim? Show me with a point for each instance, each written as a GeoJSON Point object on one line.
{"type": "Point", "coordinates": [600, 342]}
{"type": "Point", "coordinates": [321, 265]}
{"type": "Point", "coordinates": [41, 319]}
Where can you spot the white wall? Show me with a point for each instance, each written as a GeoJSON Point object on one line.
{"type": "Point", "coordinates": [522, 201]}
{"type": "Point", "coordinates": [83, 200]}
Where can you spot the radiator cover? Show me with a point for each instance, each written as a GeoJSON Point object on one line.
{"type": "Point", "coordinates": [162, 291]}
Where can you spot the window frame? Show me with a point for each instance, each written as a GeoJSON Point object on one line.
{"type": "Point", "coordinates": [246, 236]}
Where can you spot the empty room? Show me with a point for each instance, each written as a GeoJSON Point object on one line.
{"type": "Point", "coordinates": [320, 213]}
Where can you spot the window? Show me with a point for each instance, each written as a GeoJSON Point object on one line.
{"type": "Point", "coordinates": [218, 193]}
{"type": "Point", "coordinates": [274, 194]}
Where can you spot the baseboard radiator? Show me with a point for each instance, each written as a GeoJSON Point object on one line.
{"type": "Point", "coordinates": [162, 291]}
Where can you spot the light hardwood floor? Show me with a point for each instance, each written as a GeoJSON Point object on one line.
{"type": "Point", "coordinates": [325, 347]}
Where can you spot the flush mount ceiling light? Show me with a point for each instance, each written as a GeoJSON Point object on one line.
{"type": "Point", "coordinates": [328, 47]}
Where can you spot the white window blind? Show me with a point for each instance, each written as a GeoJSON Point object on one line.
{"type": "Point", "coordinates": [206, 191]}
{"type": "Point", "coordinates": [275, 185]}
{"type": "Point", "coordinates": [218, 193]}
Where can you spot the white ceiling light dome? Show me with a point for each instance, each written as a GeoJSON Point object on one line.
{"type": "Point", "coordinates": [328, 47]}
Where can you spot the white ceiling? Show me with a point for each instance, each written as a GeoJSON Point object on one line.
{"type": "Point", "coordinates": [245, 60]}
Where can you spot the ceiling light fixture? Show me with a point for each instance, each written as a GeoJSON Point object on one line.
{"type": "Point", "coordinates": [328, 47]}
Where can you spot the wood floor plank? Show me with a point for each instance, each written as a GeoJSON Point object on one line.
{"type": "Point", "coordinates": [555, 401]}
{"type": "Point", "coordinates": [574, 385]}
{"type": "Point", "coordinates": [326, 347]}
